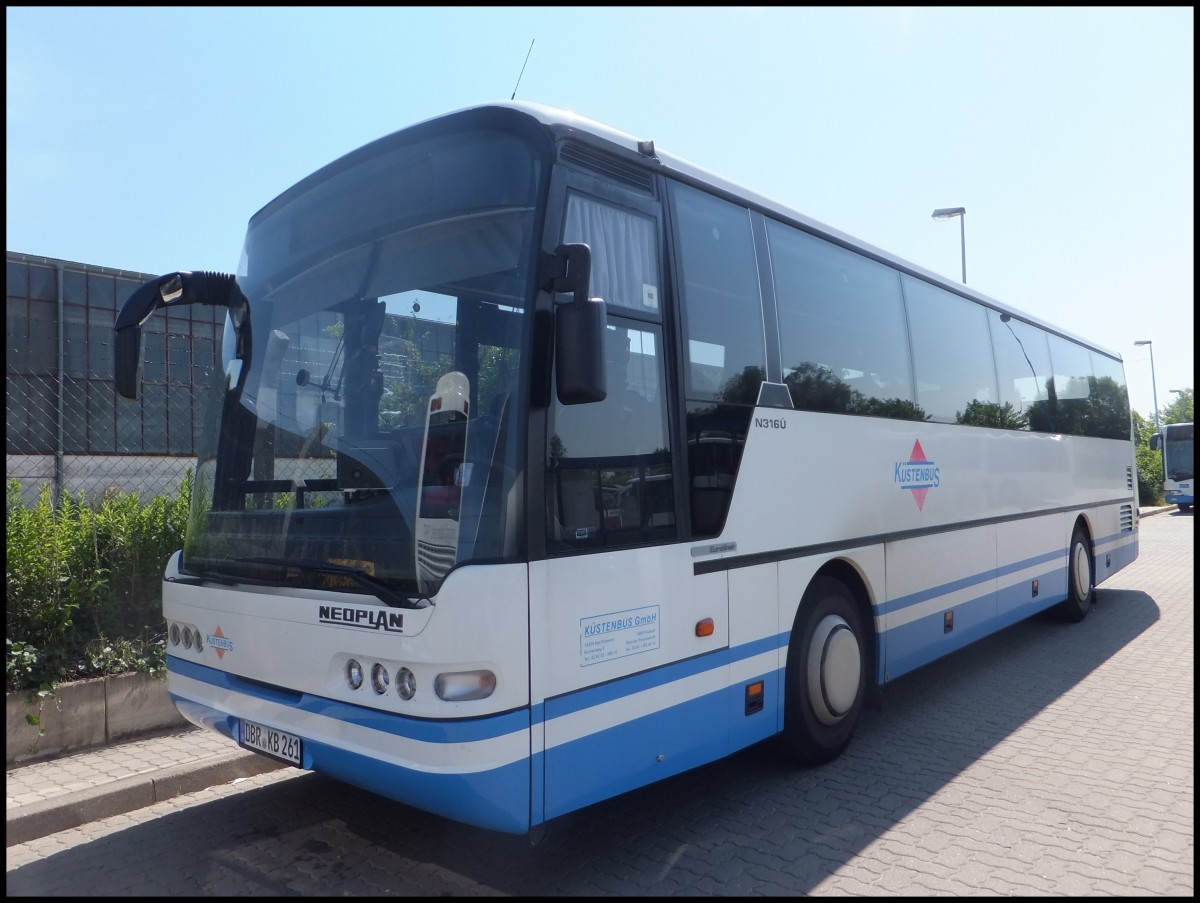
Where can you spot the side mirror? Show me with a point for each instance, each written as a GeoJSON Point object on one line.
{"type": "Point", "coordinates": [217, 289]}
{"type": "Point", "coordinates": [1156, 442]}
{"type": "Point", "coordinates": [579, 325]}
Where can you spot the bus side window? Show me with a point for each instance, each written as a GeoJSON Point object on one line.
{"type": "Point", "coordinates": [610, 460]}
{"type": "Point", "coordinates": [725, 345]}
{"type": "Point", "coordinates": [952, 356]}
{"type": "Point", "coordinates": [841, 328]}
{"type": "Point", "coordinates": [605, 456]}
{"type": "Point", "coordinates": [726, 350]}
{"type": "Point", "coordinates": [1023, 366]}
{"type": "Point", "coordinates": [713, 458]}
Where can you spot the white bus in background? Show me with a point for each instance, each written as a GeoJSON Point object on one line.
{"type": "Point", "coordinates": [543, 465]}
{"type": "Point", "coordinates": [1177, 443]}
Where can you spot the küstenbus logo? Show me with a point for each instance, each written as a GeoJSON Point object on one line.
{"type": "Point", "coordinates": [918, 474]}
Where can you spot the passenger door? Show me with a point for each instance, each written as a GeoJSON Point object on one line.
{"type": "Point", "coordinates": [628, 645]}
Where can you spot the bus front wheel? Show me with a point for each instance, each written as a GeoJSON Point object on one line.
{"type": "Point", "coordinates": [1081, 582]}
{"type": "Point", "coordinates": [826, 677]}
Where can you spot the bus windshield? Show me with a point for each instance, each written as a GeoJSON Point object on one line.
{"type": "Point", "coordinates": [361, 431]}
{"type": "Point", "coordinates": [1178, 451]}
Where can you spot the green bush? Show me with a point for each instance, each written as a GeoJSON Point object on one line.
{"type": "Point", "coordinates": [1149, 463]}
{"type": "Point", "coordinates": [1150, 476]}
{"type": "Point", "coordinates": [83, 582]}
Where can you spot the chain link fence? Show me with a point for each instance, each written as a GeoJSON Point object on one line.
{"type": "Point", "coordinates": [67, 430]}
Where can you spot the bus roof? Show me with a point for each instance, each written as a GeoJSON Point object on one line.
{"type": "Point", "coordinates": [564, 124]}
{"type": "Point", "coordinates": [583, 128]}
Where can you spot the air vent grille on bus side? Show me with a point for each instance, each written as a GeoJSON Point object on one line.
{"type": "Point", "coordinates": [590, 158]}
{"type": "Point", "coordinates": [1126, 518]}
{"type": "Point", "coordinates": [1129, 477]}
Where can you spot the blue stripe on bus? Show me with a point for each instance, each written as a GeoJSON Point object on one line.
{"type": "Point", "coordinates": [888, 606]}
{"type": "Point", "coordinates": [496, 798]}
{"type": "Point", "coordinates": [658, 745]}
{"type": "Point", "coordinates": [666, 674]}
{"type": "Point", "coordinates": [636, 683]}
{"type": "Point", "coordinates": [925, 640]}
{"type": "Point", "coordinates": [1122, 555]}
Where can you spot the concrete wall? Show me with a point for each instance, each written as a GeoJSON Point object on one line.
{"type": "Point", "coordinates": [85, 714]}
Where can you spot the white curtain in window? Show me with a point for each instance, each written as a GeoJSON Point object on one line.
{"type": "Point", "coordinates": [624, 265]}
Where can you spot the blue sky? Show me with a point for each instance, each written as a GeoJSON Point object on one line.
{"type": "Point", "coordinates": [144, 139]}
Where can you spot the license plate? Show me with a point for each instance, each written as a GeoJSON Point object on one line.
{"type": "Point", "coordinates": [267, 740]}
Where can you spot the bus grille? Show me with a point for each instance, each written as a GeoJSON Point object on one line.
{"type": "Point", "coordinates": [1126, 518]}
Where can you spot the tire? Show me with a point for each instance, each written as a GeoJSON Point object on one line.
{"type": "Point", "coordinates": [826, 677]}
{"type": "Point", "coordinates": [1081, 579]}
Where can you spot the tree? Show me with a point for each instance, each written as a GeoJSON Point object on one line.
{"type": "Point", "coordinates": [1149, 463]}
{"type": "Point", "coordinates": [1181, 410]}
{"type": "Point", "coordinates": [986, 413]}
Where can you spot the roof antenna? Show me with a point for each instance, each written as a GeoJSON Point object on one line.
{"type": "Point", "coordinates": [514, 94]}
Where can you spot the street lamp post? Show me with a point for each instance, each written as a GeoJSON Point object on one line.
{"type": "Point", "coordinates": [961, 213]}
{"type": "Point", "coordinates": [1153, 386]}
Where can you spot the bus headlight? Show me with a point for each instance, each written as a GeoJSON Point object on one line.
{"type": "Point", "coordinates": [460, 686]}
{"type": "Point", "coordinates": [354, 674]}
{"type": "Point", "coordinates": [406, 683]}
{"type": "Point", "coordinates": [379, 678]}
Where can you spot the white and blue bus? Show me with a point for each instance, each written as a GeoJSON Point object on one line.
{"type": "Point", "coordinates": [541, 464]}
{"type": "Point", "coordinates": [1177, 442]}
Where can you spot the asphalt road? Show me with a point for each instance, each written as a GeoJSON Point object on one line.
{"type": "Point", "coordinates": [1051, 759]}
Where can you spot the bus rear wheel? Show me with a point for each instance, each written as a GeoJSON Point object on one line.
{"type": "Point", "coordinates": [826, 677]}
{"type": "Point", "coordinates": [1081, 582]}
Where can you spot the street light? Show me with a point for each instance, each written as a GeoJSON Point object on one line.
{"type": "Point", "coordinates": [1153, 386]}
{"type": "Point", "coordinates": [961, 213]}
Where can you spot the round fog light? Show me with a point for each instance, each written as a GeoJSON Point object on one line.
{"type": "Point", "coordinates": [175, 635]}
{"type": "Point", "coordinates": [406, 683]}
{"type": "Point", "coordinates": [379, 678]}
{"type": "Point", "coordinates": [354, 674]}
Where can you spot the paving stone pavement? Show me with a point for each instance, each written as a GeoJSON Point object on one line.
{"type": "Point", "coordinates": [45, 797]}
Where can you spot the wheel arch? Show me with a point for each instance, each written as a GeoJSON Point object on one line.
{"type": "Point", "coordinates": [1079, 597]}
{"type": "Point", "coordinates": [1083, 521]}
{"type": "Point", "coordinates": [846, 573]}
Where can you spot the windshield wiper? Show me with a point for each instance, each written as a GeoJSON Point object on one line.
{"type": "Point", "coordinates": [310, 566]}
{"type": "Point", "coordinates": [194, 579]}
